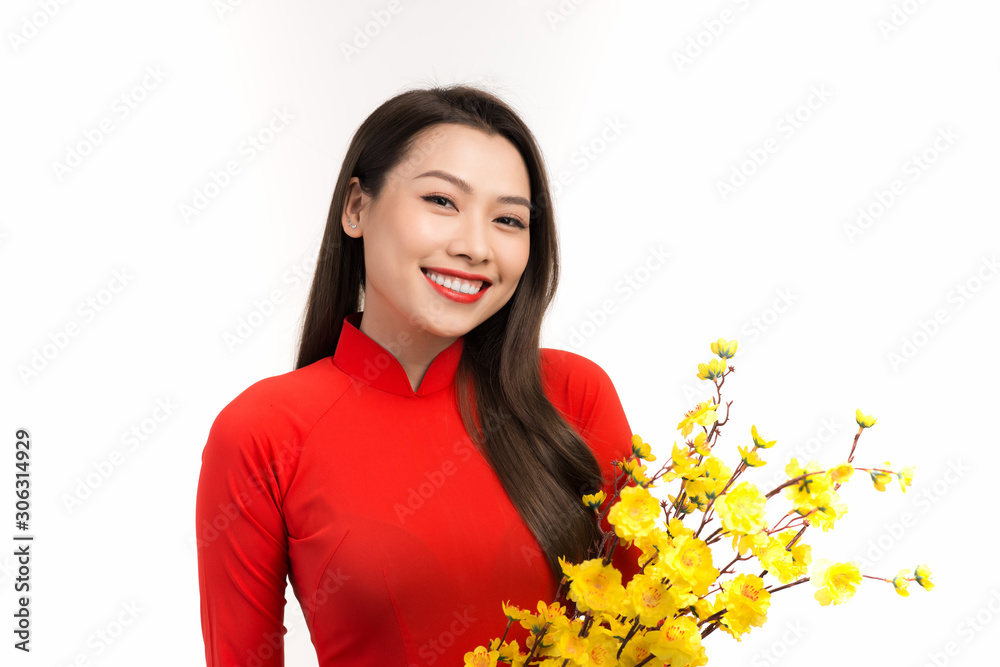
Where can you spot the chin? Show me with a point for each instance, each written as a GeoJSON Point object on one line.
{"type": "Point", "coordinates": [451, 326]}
{"type": "Point", "coordinates": [451, 331]}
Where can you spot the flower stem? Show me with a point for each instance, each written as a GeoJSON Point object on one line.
{"type": "Point", "coordinates": [538, 640]}
{"type": "Point", "coordinates": [510, 622]}
{"type": "Point", "coordinates": [794, 480]}
{"type": "Point", "coordinates": [855, 444]}
{"type": "Point", "coordinates": [794, 583]}
{"type": "Point", "coordinates": [631, 632]}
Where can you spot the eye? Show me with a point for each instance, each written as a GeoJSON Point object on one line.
{"type": "Point", "coordinates": [436, 197]}
{"type": "Point", "coordinates": [510, 220]}
{"type": "Point", "coordinates": [514, 222]}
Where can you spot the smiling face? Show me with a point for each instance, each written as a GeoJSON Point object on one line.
{"type": "Point", "coordinates": [456, 205]}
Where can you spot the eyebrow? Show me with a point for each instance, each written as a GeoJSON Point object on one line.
{"type": "Point", "coordinates": [467, 189]}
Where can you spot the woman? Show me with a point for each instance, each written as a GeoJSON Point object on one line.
{"type": "Point", "coordinates": [426, 460]}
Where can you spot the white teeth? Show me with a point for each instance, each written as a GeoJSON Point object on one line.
{"type": "Point", "coordinates": [456, 284]}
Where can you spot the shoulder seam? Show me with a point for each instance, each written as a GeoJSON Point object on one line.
{"type": "Point", "coordinates": [308, 434]}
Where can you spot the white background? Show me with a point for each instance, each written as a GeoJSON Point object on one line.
{"type": "Point", "coordinates": [818, 310]}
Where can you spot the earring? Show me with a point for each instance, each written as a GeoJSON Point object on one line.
{"type": "Point", "coordinates": [353, 224]}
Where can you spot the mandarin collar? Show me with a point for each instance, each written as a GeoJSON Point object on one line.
{"type": "Point", "coordinates": [365, 360]}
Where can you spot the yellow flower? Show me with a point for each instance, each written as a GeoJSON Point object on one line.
{"type": "Point", "coordinates": [546, 614]}
{"type": "Point", "coordinates": [513, 612]}
{"type": "Point", "coordinates": [641, 449]}
{"type": "Point", "coordinates": [880, 479]}
{"type": "Point", "coordinates": [638, 649]}
{"type": "Point", "coordinates": [602, 648]}
{"type": "Point", "coordinates": [702, 414]}
{"type": "Point", "coordinates": [549, 613]}
{"type": "Point", "coordinates": [837, 582]}
{"type": "Point", "coordinates": [544, 648]}
{"type": "Point", "coordinates": [710, 483]}
{"type": "Point", "coordinates": [594, 500]}
{"type": "Point", "coordinates": [814, 495]}
{"type": "Point", "coordinates": [685, 465]}
{"type": "Point", "coordinates": [481, 657]}
{"type": "Point", "coordinates": [900, 582]}
{"type": "Point", "coordinates": [688, 564]}
{"type": "Point", "coordinates": [779, 561]}
{"type": "Point", "coordinates": [864, 421]}
{"type": "Point", "coordinates": [793, 469]}
{"type": "Point", "coordinates": [905, 477]}
{"type": "Point", "coordinates": [568, 643]}
{"type": "Point", "coordinates": [827, 512]}
{"type": "Point", "coordinates": [841, 473]}
{"type": "Point", "coordinates": [683, 504]}
{"type": "Point", "coordinates": [746, 602]}
{"type": "Point", "coordinates": [923, 577]}
{"type": "Point", "coordinates": [742, 509]}
{"type": "Point", "coordinates": [801, 552]}
{"type": "Point", "coordinates": [750, 457]}
{"type": "Point", "coordinates": [676, 528]}
{"type": "Point", "coordinates": [703, 608]}
{"type": "Point", "coordinates": [594, 586]}
{"type": "Point", "coordinates": [509, 652]}
{"type": "Point", "coordinates": [755, 542]}
{"type": "Point", "coordinates": [701, 444]}
{"type": "Point", "coordinates": [635, 514]}
{"type": "Point", "coordinates": [653, 543]}
{"type": "Point", "coordinates": [636, 471]}
{"type": "Point", "coordinates": [723, 348]}
{"type": "Point", "coordinates": [679, 642]}
{"type": "Point", "coordinates": [532, 623]}
{"type": "Point", "coordinates": [716, 368]}
{"type": "Point", "coordinates": [759, 441]}
{"type": "Point", "coordinates": [646, 597]}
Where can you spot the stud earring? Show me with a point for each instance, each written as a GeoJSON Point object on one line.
{"type": "Point", "coordinates": [353, 224]}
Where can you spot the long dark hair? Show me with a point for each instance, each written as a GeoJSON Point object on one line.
{"type": "Point", "coordinates": [543, 464]}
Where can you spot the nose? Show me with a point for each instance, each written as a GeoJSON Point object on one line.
{"type": "Point", "coordinates": [471, 239]}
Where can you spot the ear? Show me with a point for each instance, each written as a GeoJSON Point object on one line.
{"type": "Point", "coordinates": [354, 204]}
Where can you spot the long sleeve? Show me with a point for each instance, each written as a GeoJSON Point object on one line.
{"type": "Point", "coordinates": [242, 543]}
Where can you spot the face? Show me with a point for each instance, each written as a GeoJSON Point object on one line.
{"type": "Point", "coordinates": [457, 204]}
